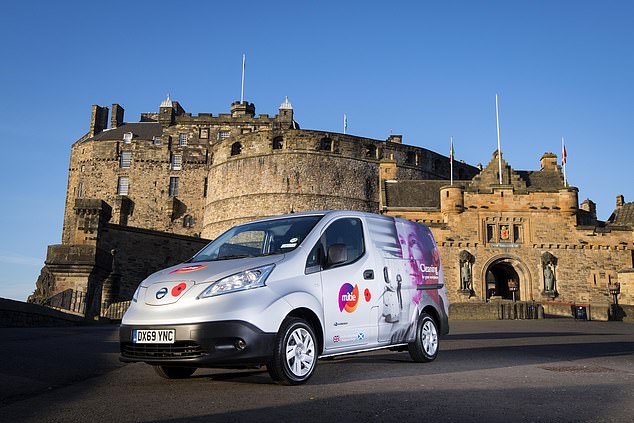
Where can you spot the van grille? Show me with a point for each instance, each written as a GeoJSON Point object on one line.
{"type": "Point", "coordinates": [177, 350]}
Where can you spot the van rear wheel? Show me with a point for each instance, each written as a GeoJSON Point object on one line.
{"type": "Point", "coordinates": [173, 372]}
{"type": "Point", "coordinates": [425, 347]}
{"type": "Point", "coordinates": [295, 353]}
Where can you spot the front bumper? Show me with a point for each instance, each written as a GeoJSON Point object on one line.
{"type": "Point", "coordinates": [210, 344]}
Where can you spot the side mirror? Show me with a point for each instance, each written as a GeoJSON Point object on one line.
{"type": "Point", "coordinates": [337, 253]}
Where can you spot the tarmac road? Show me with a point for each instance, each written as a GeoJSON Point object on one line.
{"type": "Point", "coordinates": [547, 370]}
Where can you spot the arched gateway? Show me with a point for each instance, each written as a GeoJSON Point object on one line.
{"type": "Point", "coordinates": [501, 274]}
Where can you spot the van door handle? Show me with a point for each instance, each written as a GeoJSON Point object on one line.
{"type": "Point", "coordinates": [368, 274]}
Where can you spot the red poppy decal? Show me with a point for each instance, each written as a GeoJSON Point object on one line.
{"type": "Point", "coordinates": [367, 294]}
{"type": "Point", "coordinates": [176, 291]}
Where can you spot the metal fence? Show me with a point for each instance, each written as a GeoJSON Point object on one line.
{"type": "Point", "coordinates": [518, 310]}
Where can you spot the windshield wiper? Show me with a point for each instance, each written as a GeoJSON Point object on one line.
{"type": "Point", "coordinates": [233, 256]}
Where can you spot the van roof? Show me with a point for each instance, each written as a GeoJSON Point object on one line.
{"type": "Point", "coordinates": [326, 213]}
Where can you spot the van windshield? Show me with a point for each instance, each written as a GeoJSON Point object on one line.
{"type": "Point", "coordinates": [259, 239]}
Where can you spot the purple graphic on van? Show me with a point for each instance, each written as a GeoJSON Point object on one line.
{"type": "Point", "coordinates": [418, 248]}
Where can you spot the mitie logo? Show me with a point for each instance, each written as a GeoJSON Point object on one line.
{"type": "Point", "coordinates": [348, 297]}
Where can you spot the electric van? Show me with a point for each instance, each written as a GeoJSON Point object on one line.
{"type": "Point", "coordinates": [283, 292]}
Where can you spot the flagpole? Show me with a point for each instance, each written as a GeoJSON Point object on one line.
{"type": "Point", "coordinates": [497, 122]}
{"type": "Point", "coordinates": [563, 160]}
{"type": "Point", "coordinates": [345, 123]}
{"type": "Point", "coordinates": [242, 89]}
{"type": "Point", "coordinates": [451, 157]}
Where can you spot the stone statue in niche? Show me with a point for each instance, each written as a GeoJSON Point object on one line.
{"type": "Point", "coordinates": [466, 272]}
{"type": "Point", "coordinates": [549, 263]}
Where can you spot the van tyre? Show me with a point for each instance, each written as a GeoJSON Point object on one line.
{"type": "Point", "coordinates": [425, 347]}
{"type": "Point", "coordinates": [294, 354]}
{"type": "Point", "coordinates": [173, 372]}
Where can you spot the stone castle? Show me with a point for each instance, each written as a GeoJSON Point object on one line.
{"type": "Point", "coordinates": [148, 194]}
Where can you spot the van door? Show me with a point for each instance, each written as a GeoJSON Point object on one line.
{"type": "Point", "coordinates": [346, 268]}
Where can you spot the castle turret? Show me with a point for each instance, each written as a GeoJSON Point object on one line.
{"type": "Point", "coordinates": [568, 200]}
{"type": "Point", "coordinates": [167, 112]}
{"type": "Point", "coordinates": [286, 111]}
{"type": "Point", "coordinates": [452, 199]}
{"type": "Point", "coordinates": [242, 109]}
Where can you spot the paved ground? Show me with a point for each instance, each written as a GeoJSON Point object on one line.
{"type": "Point", "coordinates": [549, 370]}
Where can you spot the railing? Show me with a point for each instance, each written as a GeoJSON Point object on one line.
{"type": "Point", "coordinates": [69, 300]}
{"type": "Point", "coordinates": [115, 311]}
{"type": "Point", "coordinates": [518, 310]}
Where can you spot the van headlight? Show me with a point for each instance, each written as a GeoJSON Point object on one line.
{"type": "Point", "coordinates": [253, 278]}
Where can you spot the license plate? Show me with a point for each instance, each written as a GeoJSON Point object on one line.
{"type": "Point", "coordinates": [153, 336]}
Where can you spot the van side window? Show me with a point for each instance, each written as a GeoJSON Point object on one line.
{"type": "Point", "coordinates": [313, 262]}
{"type": "Point", "coordinates": [346, 231]}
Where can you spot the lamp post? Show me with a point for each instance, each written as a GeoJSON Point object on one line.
{"type": "Point", "coordinates": [513, 287]}
{"type": "Point", "coordinates": [614, 289]}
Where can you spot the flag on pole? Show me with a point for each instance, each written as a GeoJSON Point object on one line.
{"type": "Point", "coordinates": [564, 157]}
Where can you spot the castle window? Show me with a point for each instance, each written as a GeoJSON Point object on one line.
{"type": "Point", "coordinates": [411, 158]}
{"type": "Point", "coordinates": [126, 159]}
{"type": "Point", "coordinates": [173, 190]}
{"type": "Point", "coordinates": [156, 140]}
{"type": "Point", "coordinates": [517, 233]}
{"type": "Point", "coordinates": [223, 135]}
{"type": "Point", "coordinates": [83, 168]}
{"type": "Point", "coordinates": [325, 144]}
{"type": "Point", "coordinates": [80, 190]}
{"type": "Point", "coordinates": [490, 233]}
{"type": "Point", "coordinates": [127, 137]}
{"type": "Point", "coordinates": [278, 142]}
{"type": "Point", "coordinates": [236, 148]}
{"type": "Point", "coordinates": [177, 161]}
{"type": "Point", "coordinates": [182, 139]}
{"type": "Point", "coordinates": [370, 151]}
{"type": "Point", "coordinates": [188, 221]}
{"type": "Point", "coordinates": [123, 185]}
{"type": "Point", "coordinates": [204, 133]}
{"type": "Point", "coordinates": [245, 130]}
{"type": "Point", "coordinates": [205, 187]}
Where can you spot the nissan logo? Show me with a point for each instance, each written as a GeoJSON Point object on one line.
{"type": "Point", "coordinates": [161, 293]}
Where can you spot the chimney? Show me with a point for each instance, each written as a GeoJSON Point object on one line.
{"type": "Point", "coordinates": [620, 200]}
{"type": "Point", "coordinates": [397, 139]}
{"type": "Point", "coordinates": [117, 116]}
{"type": "Point", "coordinates": [549, 161]}
{"type": "Point", "coordinates": [590, 207]}
{"type": "Point", "coordinates": [99, 119]}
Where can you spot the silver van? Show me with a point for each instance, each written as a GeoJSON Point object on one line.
{"type": "Point", "coordinates": [285, 291]}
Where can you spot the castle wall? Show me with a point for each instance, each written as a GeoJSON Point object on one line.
{"type": "Point", "coordinates": [588, 258]}
{"type": "Point", "coordinates": [310, 170]}
{"type": "Point", "coordinates": [138, 253]}
{"type": "Point", "coordinates": [95, 170]}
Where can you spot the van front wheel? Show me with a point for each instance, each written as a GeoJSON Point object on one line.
{"type": "Point", "coordinates": [294, 354]}
{"type": "Point", "coordinates": [425, 346]}
{"type": "Point", "coordinates": [173, 372]}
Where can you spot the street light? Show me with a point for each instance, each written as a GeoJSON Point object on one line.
{"type": "Point", "coordinates": [614, 289]}
{"type": "Point", "coordinates": [513, 286]}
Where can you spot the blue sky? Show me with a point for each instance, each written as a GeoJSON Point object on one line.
{"type": "Point", "coordinates": [424, 69]}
